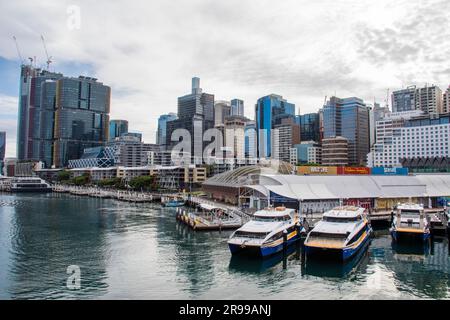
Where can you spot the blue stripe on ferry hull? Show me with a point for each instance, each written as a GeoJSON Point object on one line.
{"type": "Point", "coordinates": [261, 251]}
{"type": "Point", "coordinates": [340, 254]}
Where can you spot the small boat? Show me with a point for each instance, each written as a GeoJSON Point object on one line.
{"type": "Point", "coordinates": [340, 234]}
{"type": "Point", "coordinates": [265, 234]}
{"type": "Point", "coordinates": [410, 223]}
{"type": "Point", "coordinates": [174, 203]}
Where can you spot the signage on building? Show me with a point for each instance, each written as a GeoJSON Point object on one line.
{"type": "Point", "coordinates": [390, 171]}
{"type": "Point", "coordinates": [307, 170]}
{"type": "Point", "coordinates": [353, 170]}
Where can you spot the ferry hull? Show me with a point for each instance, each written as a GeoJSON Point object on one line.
{"type": "Point", "coordinates": [409, 236]}
{"type": "Point", "coordinates": [261, 251]}
{"type": "Point", "coordinates": [338, 254]}
{"type": "Point", "coordinates": [31, 190]}
{"type": "Point", "coordinates": [173, 204]}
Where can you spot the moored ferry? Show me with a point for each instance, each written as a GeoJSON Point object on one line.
{"type": "Point", "coordinates": [266, 233]}
{"type": "Point", "coordinates": [410, 223]}
{"type": "Point", "coordinates": [341, 233]}
{"type": "Point", "coordinates": [29, 184]}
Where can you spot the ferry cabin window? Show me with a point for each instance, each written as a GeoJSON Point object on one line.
{"type": "Point", "coordinates": [320, 235]}
{"type": "Point", "coordinates": [252, 235]}
{"type": "Point", "coordinates": [410, 212]}
{"type": "Point", "coordinates": [272, 219]}
{"type": "Point", "coordinates": [335, 219]}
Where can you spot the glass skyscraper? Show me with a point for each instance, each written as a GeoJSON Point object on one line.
{"type": "Point", "coordinates": [36, 114]}
{"type": "Point", "coordinates": [196, 115]}
{"type": "Point", "coordinates": [309, 126]}
{"type": "Point", "coordinates": [81, 117]}
{"type": "Point", "coordinates": [60, 116]}
{"type": "Point", "coordinates": [237, 107]}
{"type": "Point", "coordinates": [2, 145]}
{"type": "Point", "coordinates": [270, 110]}
{"type": "Point", "coordinates": [117, 128]}
{"type": "Point", "coordinates": [162, 127]}
{"type": "Point", "coordinates": [349, 118]}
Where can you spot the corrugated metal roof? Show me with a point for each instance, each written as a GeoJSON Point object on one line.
{"type": "Point", "coordinates": [355, 186]}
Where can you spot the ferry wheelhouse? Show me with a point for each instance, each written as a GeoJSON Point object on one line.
{"type": "Point", "coordinates": [410, 223]}
{"type": "Point", "coordinates": [340, 234]}
{"type": "Point", "coordinates": [265, 234]}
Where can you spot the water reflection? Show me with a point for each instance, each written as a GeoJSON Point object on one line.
{"type": "Point", "coordinates": [326, 268]}
{"type": "Point", "coordinates": [140, 251]}
{"type": "Point", "coordinates": [240, 263]}
{"type": "Point", "coordinates": [40, 255]}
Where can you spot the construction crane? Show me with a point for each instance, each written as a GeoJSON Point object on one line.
{"type": "Point", "coordinates": [18, 50]}
{"type": "Point", "coordinates": [49, 59]}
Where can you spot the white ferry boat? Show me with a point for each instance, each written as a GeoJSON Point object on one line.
{"type": "Point", "coordinates": [341, 233]}
{"type": "Point", "coordinates": [264, 234]}
{"type": "Point", "coordinates": [410, 223]}
{"type": "Point", "coordinates": [29, 184]}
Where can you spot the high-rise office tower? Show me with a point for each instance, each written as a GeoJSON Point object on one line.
{"type": "Point", "coordinates": [162, 127]}
{"type": "Point", "coordinates": [196, 115]}
{"type": "Point", "coordinates": [237, 107]}
{"type": "Point", "coordinates": [285, 136]}
{"type": "Point", "coordinates": [235, 135]}
{"type": "Point", "coordinates": [222, 110]}
{"type": "Point", "coordinates": [429, 99]}
{"type": "Point", "coordinates": [349, 118]}
{"type": "Point", "coordinates": [117, 128]}
{"type": "Point", "coordinates": [2, 145]}
{"type": "Point", "coordinates": [81, 117]}
{"type": "Point", "coordinates": [250, 140]}
{"type": "Point", "coordinates": [404, 100]}
{"type": "Point", "coordinates": [446, 101]}
{"type": "Point", "coordinates": [60, 116]}
{"type": "Point", "coordinates": [309, 126]}
{"type": "Point", "coordinates": [270, 110]}
{"type": "Point", "coordinates": [36, 114]}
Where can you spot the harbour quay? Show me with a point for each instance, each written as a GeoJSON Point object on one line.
{"type": "Point", "coordinates": [257, 187]}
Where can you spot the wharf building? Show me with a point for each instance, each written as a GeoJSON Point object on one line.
{"type": "Point", "coordinates": [256, 187]}
{"type": "Point", "coordinates": [2, 150]}
{"type": "Point", "coordinates": [60, 116]}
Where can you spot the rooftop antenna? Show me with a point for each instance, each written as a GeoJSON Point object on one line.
{"type": "Point", "coordinates": [18, 50]}
{"type": "Point", "coordinates": [49, 59]}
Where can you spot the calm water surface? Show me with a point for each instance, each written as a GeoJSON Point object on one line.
{"type": "Point", "coordinates": [128, 251]}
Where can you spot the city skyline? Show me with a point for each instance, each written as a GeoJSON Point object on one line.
{"type": "Point", "coordinates": [304, 66]}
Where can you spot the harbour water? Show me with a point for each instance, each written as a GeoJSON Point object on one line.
{"type": "Point", "coordinates": [139, 251]}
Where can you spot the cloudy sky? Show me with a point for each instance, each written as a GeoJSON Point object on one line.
{"type": "Point", "coordinates": [147, 51]}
